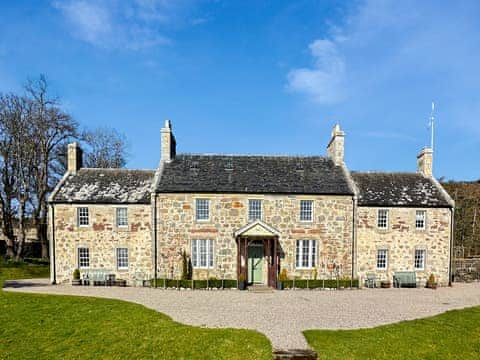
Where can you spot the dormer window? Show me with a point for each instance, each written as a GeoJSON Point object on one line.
{"type": "Point", "coordinates": [299, 167]}
{"type": "Point", "coordinates": [194, 166]}
{"type": "Point", "coordinates": [228, 165]}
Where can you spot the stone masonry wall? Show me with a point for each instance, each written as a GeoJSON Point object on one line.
{"type": "Point", "coordinates": [177, 226]}
{"type": "Point", "coordinates": [102, 237]}
{"type": "Point", "coordinates": [401, 239]}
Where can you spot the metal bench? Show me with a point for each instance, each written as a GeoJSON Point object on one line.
{"type": "Point", "coordinates": [406, 279]}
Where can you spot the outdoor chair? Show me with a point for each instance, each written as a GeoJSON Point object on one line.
{"type": "Point", "coordinates": [371, 281]}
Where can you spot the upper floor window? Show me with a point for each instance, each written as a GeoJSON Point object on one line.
{"type": "Point", "coordinates": [122, 258]}
{"type": "Point", "coordinates": [202, 209]}
{"type": "Point", "coordinates": [202, 253]}
{"type": "Point", "coordinates": [382, 259]}
{"type": "Point", "coordinates": [83, 257]}
{"type": "Point", "coordinates": [306, 254]}
{"type": "Point", "coordinates": [382, 221]}
{"type": "Point", "coordinates": [306, 210]}
{"type": "Point", "coordinates": [254, 209]}
{"type": "Point", "coordinates": [420, 219]}
{"type": "Point", "coordinates": [122, 217]}
{"type": "Point", "coordinates": [420, 259]}
{"type": "Point", "coordinates": [82, 214]}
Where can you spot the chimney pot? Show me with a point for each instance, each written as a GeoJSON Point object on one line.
{"type": "Point", "coordinates": [168, 143]}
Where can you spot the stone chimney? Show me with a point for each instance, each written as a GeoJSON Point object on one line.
{"type": "Point", "coordinates": [335, 148]}
{"type": "Point", "coordinates": [425, 162]}
{"type": "Point", "coordinates": [75, 160]}
{"type": "Point", "coordinates": [169, 144]}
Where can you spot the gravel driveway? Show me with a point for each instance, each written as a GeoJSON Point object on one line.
{"type": "Point", "coordinates": [280, 315]}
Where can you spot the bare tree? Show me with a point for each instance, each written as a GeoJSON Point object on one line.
{"type": "Point", "coordinates": [106, 148]}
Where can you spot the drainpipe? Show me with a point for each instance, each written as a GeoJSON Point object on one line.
{"type": "Point", "coordinates": [155, 237]}
{"type": "Point", "coordinates": [53, 246]}
{"type": "Point", "coordinates": [354, 233]}
{"type": "Point", "coordinates": [452, 235]}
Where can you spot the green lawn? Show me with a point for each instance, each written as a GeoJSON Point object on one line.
{"type": "Point", "coordinates": [48, 326]}
{"type": "Point", "coordinates": [453, 335]}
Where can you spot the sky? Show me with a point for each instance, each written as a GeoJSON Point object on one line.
{"type": "Point", "coordinates": [261, 77]}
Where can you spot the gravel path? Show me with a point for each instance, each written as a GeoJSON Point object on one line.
{"type": "Point", "coordinates": [281, 315]}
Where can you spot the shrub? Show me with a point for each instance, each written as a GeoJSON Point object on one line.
{"type": "Point", "coordinates": [283, 275]}
{"type": "Point", "coordinates": [76, 274]}
{"type": "Point", "coordinates": [327, 283]}
{"type": "Point", "coordinates": [241, 278]}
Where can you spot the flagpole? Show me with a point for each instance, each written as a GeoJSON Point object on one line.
{"type": "Point", "coordinates": [432, 124]}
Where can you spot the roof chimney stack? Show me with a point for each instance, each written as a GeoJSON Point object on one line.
{"type": "Point", "coordinates": [74, 157]}
{"type": "Point", "coordinates": [169, 144]}
{"type": "Point", "coordinates": [425, 162]}
{"type": "Point", "coordinates": [335, 148]}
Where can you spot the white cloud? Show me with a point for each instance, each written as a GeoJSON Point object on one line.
{"type": "Point", "coordinates": [122, 25]}
{"type": "Point", "coordinates": [324, 82]}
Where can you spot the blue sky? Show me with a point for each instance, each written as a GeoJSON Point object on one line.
{"type": "Point", "coordinates": [263, 77]}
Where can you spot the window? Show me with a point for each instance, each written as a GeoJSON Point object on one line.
{"type": "Point", "coordinates": [420, 218]}
{"type": "Point", "coordinates": [306, 254]}
{"type": "Point", "coordinates": [382, 261]}
{"type": "Point", "coordinates": [254, 209]}
{"type": "Point", "coordinates": [306, 210]}
{"type": "Point", "coordinates": [83, 216]}
{"type": "Point", "coordinates": [122, 258]}
{"type": "Point", "coordinates": [420, 259]}
{"type": "Point", "coordinates": [202, 253]}
{"type": "Point", "coordinates": [202, 209]}
{"type": "Point", "coordinates": [83, 257]}
{"type": "Point", "coordinates": [382, 219]}
{"type": "Point", "coordinates": [122, 217]}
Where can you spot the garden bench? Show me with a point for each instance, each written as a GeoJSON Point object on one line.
{"type": "Point", "coordinates": [405, 279]}
{"type": "Point", "coordinates": [371, 281]}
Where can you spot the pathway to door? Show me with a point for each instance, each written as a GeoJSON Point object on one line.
{"type": "Point", "coordinates": [280, 315]}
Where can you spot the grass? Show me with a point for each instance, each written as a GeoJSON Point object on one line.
{"type": "Point", "coordinates": [48, 326]}
{"type": "Point", "coordinates": [452, 335]}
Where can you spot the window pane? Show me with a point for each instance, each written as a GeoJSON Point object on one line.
{"type": "Point", "coordinates": [83, 258]}
{"type": "Point", "coordinates": [83, 216]}
{"type": "Point", "coordinates": [297, 254]}
{"type": "Point", "coordinates": [382, 259]}
{"type": "Point", "coordinates": [254, 209]}
{"type": "Point", "coordinates": [313, 253]}
{"type": "Point", "coordinates": [122, 258]}
{"type": "Point", "coordinates": [419, 259]}
{"type": "Point", "coordinates": [305, 252]}
{"type": "Point", "coordinates": [420, 217]}
{"type": "Point", "coordinates": [306, 210]}
{"type": "Point", "coordinates": [202, 209]}
{"type": "Point", "coordinates": [382, 219]}
{"type": "Point", "coordinates": [210, 253]}
{"type": "Point", "coordinates": [194, 253]}
{"type": "Point", "coordinates": [122, 217]}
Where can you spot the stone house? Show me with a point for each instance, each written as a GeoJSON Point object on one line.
{"type": "Point", "coordinates": [251, 215]}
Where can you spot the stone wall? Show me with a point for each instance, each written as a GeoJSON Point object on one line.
{"type": "Point", "coordinates": [401, 239]}
{"type": "Point", "coordinates": [102, 237]}
{"type": "Point", "coordinates": [177, 226]}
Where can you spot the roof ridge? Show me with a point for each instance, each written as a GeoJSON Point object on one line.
{"type": "Point", "coordinates": [116, 169]}
{"type": "Point", "coordinates": [386, 172]}
{"type": "Point", "coordinates": [254, 155]}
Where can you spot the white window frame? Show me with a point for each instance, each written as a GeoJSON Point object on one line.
{"type": "Point", "coordinates": [306, 201]}
{"type": "Point", "coordinates": [418, 220]}
{"type": "Point", "coordinates": [255, 210]}
{"type": "Point", "coordinates": [385, 251]}
{"type": "Point", "coordinates": [387, 218]}
{"type": "Point", "coordinates": [81, 216]}
{"type": "Point", "coordinates": [81, 257]}
{"type": "Point", "coordinates": [198, 210]}
{"type": "Point", "coordinates": [121, 258]}
{"type": "Point", "coordinates": [310, 257]}
{"type": "Point", "coordinates": [424, 259]}
{"type": "Point", "coordinates": [200, 247]}
{"type": "Point", "coordinates": [121, 217]}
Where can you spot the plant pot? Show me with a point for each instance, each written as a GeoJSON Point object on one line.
{"type": "Point", "coordinates": [432, 286]}
{"type": "Point", "coordinates": [242, 285]}
{"type": "Point", "coordinates": [279, 285]}
{"type": "Point", "coordinates": [121, 283]}
{"type": "Point", "coordinates": [385, 284]}
{"type": "Point", "coordinates": [76, 282]}
{"type": "Point", "coordinates": [85, 282]}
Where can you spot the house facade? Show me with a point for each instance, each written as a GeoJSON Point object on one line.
{"type": "Point", "coordinates": [250, 215]}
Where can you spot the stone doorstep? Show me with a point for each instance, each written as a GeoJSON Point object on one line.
{"type": "Point", "coordinates": [294, 354]}
{"type": "Point", "coordinates": [260, 289]}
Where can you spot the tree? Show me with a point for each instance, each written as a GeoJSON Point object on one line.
{"type": "Point", "coordinates": [105, 148]}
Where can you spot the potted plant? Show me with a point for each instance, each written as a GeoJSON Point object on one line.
{"type": "Point", "coordinates": [242, 283]}
{"type": "Point", "coordinates": [76, 278]}
{"type": "Point", "coordinates": [281, 279]}
{"type": "Point", "coordinates": [432, 282]}
{"type": "Point", "coordinates": [385, 284]}
{"type": "Point", "coordinates": [121, 282]}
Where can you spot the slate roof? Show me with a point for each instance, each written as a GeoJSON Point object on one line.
{"type": "Point", "coordinates": [398, 189]}
{"type": "Point", "coordinates": [253, 174]}
{"type": "Point", "coordinates": [112, 186]}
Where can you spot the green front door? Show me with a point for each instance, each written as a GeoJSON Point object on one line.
{"type": "Point", "coordinates": [255, 264]}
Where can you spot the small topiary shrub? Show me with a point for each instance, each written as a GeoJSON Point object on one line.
{"type": "Point", "coordinates": [76, 274]}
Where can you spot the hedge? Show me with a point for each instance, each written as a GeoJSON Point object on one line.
{"type": "Point", "coordinates": [197, 284]}
{"type": "Point", "coordinates": [315, 284]}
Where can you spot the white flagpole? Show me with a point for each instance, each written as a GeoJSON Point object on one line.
{"type": "Point", "coordinates": [432, 119]}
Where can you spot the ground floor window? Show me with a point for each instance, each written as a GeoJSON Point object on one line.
{"type": "Point", "coordinates": [122, 258]}
{"type": "Point", "coordinates": [420, 259]}
{"type": "Point", "coordinates": [306, 254]}
{"type": "Point", "coordinates": [83, 257]}
{"type": "Point", "coordinates": [382, 259]}
{"type": "Point", "coordinates": [202, 253]}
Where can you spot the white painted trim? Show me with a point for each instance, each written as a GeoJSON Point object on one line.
{"type": "Point", "coordinates": [253, 224]}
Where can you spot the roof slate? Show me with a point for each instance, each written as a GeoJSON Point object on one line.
{"type": "Point", "coordinates": [398, 189]}
{"type": "Point", "coordinates": [253, 174]}
{"type": "Point", "coordinates": [113, 186]}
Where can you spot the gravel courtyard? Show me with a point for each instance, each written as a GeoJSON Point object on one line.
{"type": "Point", "coordinates": [280, 315]}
